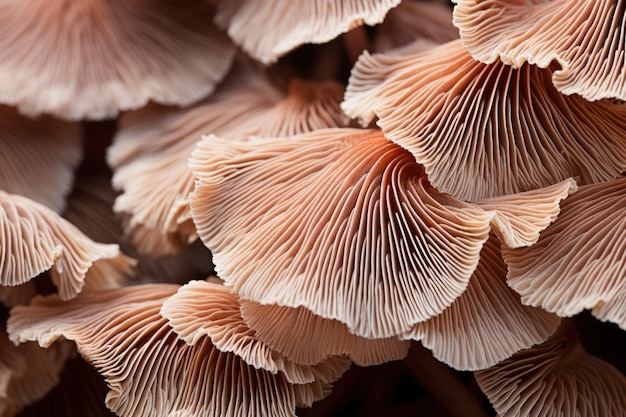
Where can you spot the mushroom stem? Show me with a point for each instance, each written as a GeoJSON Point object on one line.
{"type": "Point", "coordinates": [355, 42]}
{"type": "Point", "coordinates": [442, 384]}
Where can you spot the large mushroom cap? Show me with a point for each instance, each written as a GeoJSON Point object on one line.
{"type": "Point", "coordinates": [269, 29]}
{"type": "Point", "coordinates": [588, 40]}
{"type": "Point", "coordinates": [35, 239]}
{"type": "Point", "coordinates": [487, 130]}
{"type": "Point", "coordinates": [578, 262]}
{"type": "Point", "coordinates": [342, 222]}
{"type": "Point", "coordinates": [90, 59]}
{"type": "Point", "coordinates": [149, 370]}
{"type": "Point", "coordinates": [556, 378]}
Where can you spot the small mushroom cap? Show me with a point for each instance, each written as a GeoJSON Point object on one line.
{"type": "Point", "coordinates": [91, 59]}
{"type": "Point", "coordinates": [487, 323]}
{"type": "Point", "coordinates": [36, 239]}
{"type": "Point", "coordinates": [556, 378]}
{"type": "Point", "coordinates": [27, 372]}
{"type": "Point", "coordinates": [267, 30]}
{"type": "Point", "coordinates": [413, 20]}
{"type": "Point", "coordinates": [579, 261]}
{"type": "Point", "coordinates": [306, 338]}
{"type": "Point", "coordinates": [588, 41]}
{"type": "Point", "coordinates": [149, 370]}
{"type": "Point", "coordinates": [150, 152]}
{"type": "Point", "coordinates": [483, 130]}
{"type": "Point", "coordinates": [205, 309]}
{"type": "Point", "coordinates": [340, 221]}
{"type": "Point", "coordinates": [38, 157]}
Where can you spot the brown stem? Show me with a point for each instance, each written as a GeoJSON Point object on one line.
{"type": "Point", "coordinates": [355, 42]}
{"type": "Point", "coordinates": [443, 384]}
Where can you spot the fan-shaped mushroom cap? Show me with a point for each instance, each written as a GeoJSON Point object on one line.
{"type": "Point", "coordinates": [487, 323]}
{"type": "Point", "coordinates": [91, 59]}
{"type": "Point", "coordinates": [36, 239]}
{"type": "Point", "coordinates": [306, 338]}
{"type": "Point", "coordinates": [200, 309]}
{"type": "Point", "coordinates": [556, 378]}
{"type": "Point", "coordinates": [340, 221]}
{"type": "Point", "coordinates": [588, 41]}
{"type": "Point", "coordinates": [150, 371]}
{"type": "Point", "coordinates": [27, 372]}
{"type": "Point", "coordinates": [150, 152]}
{"type": "Point", "coordinates": [579, 261]}
{"type": "Point", "coordinates": [90, 208]}
{"type": "Point", "coordinates": [487, 130]}
{"type": "Point", "coordinates": [38, 157]}
{"type": "Point", "coordinates": [413, 20]}
{"type": "Point", "coordinates": [293, 24]}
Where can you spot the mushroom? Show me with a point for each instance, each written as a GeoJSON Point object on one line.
{"type": "Point", "coordinates": [293, 24]}
{"type": "Point", "coordinates": [149, 370]}
{"type": "Point", "coordinates": [579, 261]}
{"type": "Point", "coordinates": [27, 372]}
{"type": "Point", "coordinates": [587, 41]}
{"type": "Point", "coordinates": [557, 377]}
{"type": "Point", "coordinates": [150, 152]}
{"type": "Point", "coordinates": [342, 222]}
{"type": "Point", "coordinates": [38, 157]}
{"type": "Point", "coordinates": [36, 239]}
{"type": "Point", "coordinates": [487, 130]}
{"type": "Point", "coordinates": [91, 59]}
{"type": "Point", "coordinates": [487, 323]}
{"type": "Point", "coordinates": [200, 309]}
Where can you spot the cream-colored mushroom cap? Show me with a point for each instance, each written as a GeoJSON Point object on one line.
{"type": "Point", "coordinates": [79, 59]}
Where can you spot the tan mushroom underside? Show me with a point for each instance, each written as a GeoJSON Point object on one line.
{"type": "Point", "coordinates": [487, 130]}
{"type": "Point", "coordinates": [149, 371]}
{"type": "Point", "coordinates": [35, 239]}
{"type": "Point", "coordinates": [91, 59]}
{"type": "Point", "coordinates": [588, 40]}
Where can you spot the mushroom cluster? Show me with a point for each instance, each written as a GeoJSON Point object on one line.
{"type": "Point", "coordinates": [247, 202]}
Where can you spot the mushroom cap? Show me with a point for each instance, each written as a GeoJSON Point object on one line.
{"type": "Point", "coordinates": [150, 152]}
{"type": "Point", "coordinates": [149, 370]}
{"type": "Point", "coordinates": [412, 20]}
{"type": "Point", "coordinates": [483, 130]}
{"type": "Point", "coordinates": [340, 221]}
{"type": "Point", "coordinates": [27, 372]}
{"type": "Point", "coordinates": [487, 323]}
{"type": "Point", "coordinates": [38, 157]}
{"type": "Point", "coordinates": [267, 30]}
{"type": "Point", "coordinates": [579, 261]}
{"type": "Point", "coordinates": [588, 41]}
{"type": "Point", "coordinates": [306, 338]}
{"type": "Point", "coordinates": [36, 239]}
{"type": "Point", "coordinates": [555, 378]}
{"type": "Point", "coordinates": [92, 59]}
{"type": "Point", "coordinates": [206, 309]}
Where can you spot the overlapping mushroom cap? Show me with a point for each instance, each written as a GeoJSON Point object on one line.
{"type": "Point", "coordinates": [38, 157]}
{"type": "Point", "coordinates": [35, 239]}
{"type": "Point", "coordinates": [150, 152]}
{"type": "Point", "coordinates": [90, 59]}
{"type": "Point", "coordinates": [149, 370]}
{"type": "Point", "coordinates": [557, 377]}
{"type": "Point", "coordinates": [342, 222]}
{"type": "Point", "coordinates": [579, 262]}
{"type": "Point", "coordinates": [487, 130]}
{"type": "Point", "coordinates": [487, 323]}
{"type": "Point", "coordinates": [293, 24]}
{"type": "Point", "coordinates": [588, 40]}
